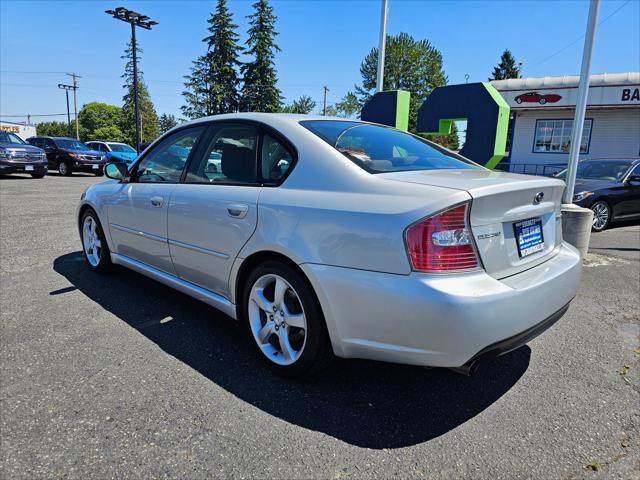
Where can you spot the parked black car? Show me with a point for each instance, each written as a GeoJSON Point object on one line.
{"type": "Point", "coordinates": [68, 155]}
{"type": "Point", "coordinates": [609, 187]}
{"type": "Point", "coordinates": [17, 156]}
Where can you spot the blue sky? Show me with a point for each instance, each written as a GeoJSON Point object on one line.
{"type": "Point", "coordinates": [322, 42]}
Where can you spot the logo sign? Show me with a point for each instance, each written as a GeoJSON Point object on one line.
{"type": "Point", "coordinates": [480, 104]}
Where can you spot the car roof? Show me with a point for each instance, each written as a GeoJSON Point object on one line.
{"type": "Point", "coordinates": [267, 117]}
{"type": "Point", "coordinates": [611, 159]}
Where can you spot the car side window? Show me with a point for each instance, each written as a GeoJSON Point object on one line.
{"type": "Point", "coordinates": [276, 159]}
{"type": "Point", "coordinates": [230, 157]}
{"type": "Point", "coordinates": [165, 163]}
{"type": "Point", "coordinates": [49, 144]}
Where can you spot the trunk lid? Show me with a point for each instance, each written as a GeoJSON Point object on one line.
{"type": "Point", "coordinates": [500, 200]}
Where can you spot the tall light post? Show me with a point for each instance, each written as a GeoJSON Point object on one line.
{"type": "Point", "coordinates": [381, 46]}
{"type": "Point", "coordinates": [66, 89]}
{"type": "Point", "coordinates": [136, 20]}
{"type": "Point", "coordinates": [576, 221]}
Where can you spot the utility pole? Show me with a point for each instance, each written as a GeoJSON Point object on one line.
{"type": "Point", "coordinates": [381, 46]}
{"type": "Point", "coordinates": [66, 89]}
{"type": "Point", "coordinates": [136, 20]}
{"type": "Point", "coordinates": [75, 102]}
{"type": "Point", "coordinates": [324, 107]}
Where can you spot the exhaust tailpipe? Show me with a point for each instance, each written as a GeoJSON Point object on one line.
{"type": "Point", "coordinates": [468, 369]}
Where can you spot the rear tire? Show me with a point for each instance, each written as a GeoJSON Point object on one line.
{"type": "Point", "coordinates": [94, 244]}
{"type": "Point", "coordinates": [601, 216]}
{"type": "Point", "coordinates": [64, 169]}
{"type": "Point", "coordinates": [284, 321]}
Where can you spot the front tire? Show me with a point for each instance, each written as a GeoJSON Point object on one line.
{"type": "Point", "coordinates": [64, 169]}
{"type": "Point", "coordinates": [284, 320]}
{"type": "Point", "coordinates": [94, 244]}
{"type": "Point", "coordinates": [601, 216]}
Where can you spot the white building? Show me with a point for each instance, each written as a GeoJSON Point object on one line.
{"type": "Point", "coordinates": [543, 110]}
{"type": "Point", "coordinates": [22, 130]}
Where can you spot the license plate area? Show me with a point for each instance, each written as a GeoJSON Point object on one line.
{"type": "Point", "coordinates": [95, 167]}
{"type": "Point", "coordinates": [28, 168]}
{"type": "Point", "coordinates": [529, 237]}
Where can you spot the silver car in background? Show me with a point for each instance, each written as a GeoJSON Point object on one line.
{"type": "Point", "coordinates": [337, 237]}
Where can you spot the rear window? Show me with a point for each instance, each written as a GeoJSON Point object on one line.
{"type": "Point", "coordinates": [380, 149]}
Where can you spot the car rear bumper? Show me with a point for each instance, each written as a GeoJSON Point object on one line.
{"type": "Point", "coordinates": [442, 320]}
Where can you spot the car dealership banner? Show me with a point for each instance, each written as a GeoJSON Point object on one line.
{"type": "Point", "coordinates": [599, 96]}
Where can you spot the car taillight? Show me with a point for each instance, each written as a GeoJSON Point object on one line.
{"type": "Point", "coordinates": [442, 242]}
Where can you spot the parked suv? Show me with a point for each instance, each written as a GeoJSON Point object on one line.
{"type": "Point", "coordinates": [68, 155]}
{"type": "Point", "coordinates": [17, 156]}
{"type": "Point", "coordinates": [114, 151]}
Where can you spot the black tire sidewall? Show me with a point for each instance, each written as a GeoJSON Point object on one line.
{"type": "Point", "coordinates": [317, 349]}
{"type": "Point", "coordinates": [105, 254]}
{"type": "Point", "coordinates": [606, 225]}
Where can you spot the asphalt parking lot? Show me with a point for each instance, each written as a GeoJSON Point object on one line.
{"type": "Point", "coordinates": [116, 376]}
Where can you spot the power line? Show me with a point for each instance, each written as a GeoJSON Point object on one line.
{"type": "Point", "coordinates": [581, 36]}
{"type": "Point", "coordinates": [32, 115]}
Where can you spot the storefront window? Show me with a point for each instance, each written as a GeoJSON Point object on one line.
{"type": "Point", "coordinates": [554, 136]}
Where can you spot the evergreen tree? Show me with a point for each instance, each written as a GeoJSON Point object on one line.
{"type": "Point", "coordinates": [412, 65]}
{"type": "Point", "coordinates": [197, 91]}
{"type": "Point", "coordinates": [212, 87]}
{"type": "Point", "coordinates": [166, 122]}
{"type": "Point", "coordinates": [259, 91]}
{"type": "Point", "coordinates": [507, 68]}
{"type": "Point", "coordinates": [148, 116]}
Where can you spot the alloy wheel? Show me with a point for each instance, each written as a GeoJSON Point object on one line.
{"type": "Point", "coordinates": [277, 319]}
{"type": "Point", "coordinates": [91, 241]}
{"type": "Point", "coordinates": [63, 168]}
{"type": "Point", "coordinates": [600, 215]}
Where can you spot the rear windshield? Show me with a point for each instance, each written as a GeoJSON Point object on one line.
{"type": "Point", "coordinates": [121, 147]}
{"type": "Point", "coordinates": [380, 149]}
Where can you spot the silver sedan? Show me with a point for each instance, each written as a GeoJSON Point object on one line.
{"type": "Point", "coordinates": [332, 237]}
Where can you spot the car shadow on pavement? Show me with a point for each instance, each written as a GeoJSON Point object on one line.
{"type": "Point", "coordinates": [367, 404]}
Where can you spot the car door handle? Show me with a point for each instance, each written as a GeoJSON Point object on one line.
{"type": "Point", "coordinates": [157, 201]}
{"type": "Point", "coordinates": [238, 210]}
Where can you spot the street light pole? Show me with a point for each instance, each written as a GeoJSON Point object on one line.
{"type": "Point", "coordinates": [136, 20]}
{"type": "Point", "coordinates": [381, 46]}
{"type": "Point", "coordinates": [581, 103]}
{"type": "Point", "coordinates": [66, 89]}
{"type": "Point", "coordinates": [135, 87]}
{"type": "Point", "coordinates": [577, 221]}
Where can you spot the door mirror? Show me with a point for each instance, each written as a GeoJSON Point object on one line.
{"type": "Point", "coordinates": [116, 170]}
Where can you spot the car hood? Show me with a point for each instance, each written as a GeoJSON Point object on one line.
{"type": "Point", "coordinates": [589, 184]}
{"type": "Point", "coordinates": [21, 148]}
{"type": "Point", "coordinates": [123, 155]}
{"type": "Point", "coordinates": [84, 152]}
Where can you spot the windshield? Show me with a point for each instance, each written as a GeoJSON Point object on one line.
{"type": "Point", "coordinates": [70, 144]}
{"type": "Point", "coordinates": [380, 149]}
{"type": "Point", "coordinates": [7, 137]}
{"type": "Point", "coordinates": [595, 170]}
{"type": "Point", "coordinates": [121, 147]}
